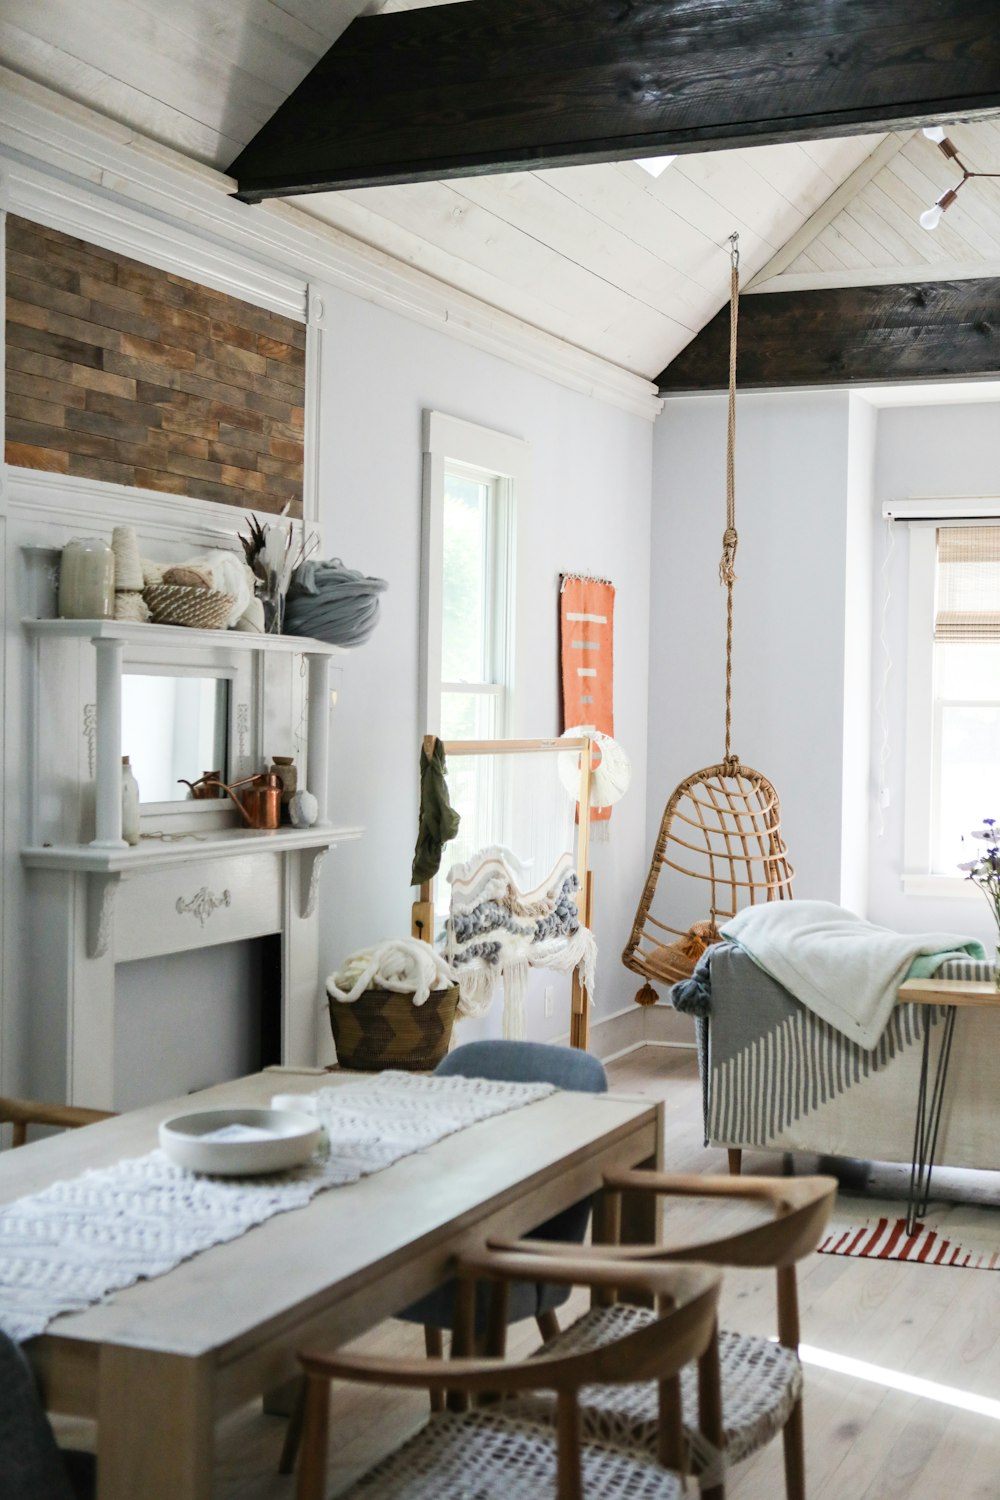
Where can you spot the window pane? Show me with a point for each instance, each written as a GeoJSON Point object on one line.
{"type": "Point", "coordinates": [468, 716]}
{"type": "Point", "coordinates": [970, 780]}
{"type": "Point", "coordinates": [465, 602]}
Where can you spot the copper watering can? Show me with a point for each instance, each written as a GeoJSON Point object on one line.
{"type": "Point", "coordinates": [260, 804]}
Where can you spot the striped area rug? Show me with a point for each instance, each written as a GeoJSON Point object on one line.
{"type": "Point", "coordinates": [951, 1235]}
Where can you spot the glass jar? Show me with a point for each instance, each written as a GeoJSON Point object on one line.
{"type": "Point", "coordinates": [87, 580]}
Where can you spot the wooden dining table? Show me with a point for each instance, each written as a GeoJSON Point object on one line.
{"type": "Point", "coordinates": [160, 1363]}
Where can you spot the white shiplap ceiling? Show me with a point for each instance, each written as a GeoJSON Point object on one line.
{"type": "Point", "coordinates": [607, 258]}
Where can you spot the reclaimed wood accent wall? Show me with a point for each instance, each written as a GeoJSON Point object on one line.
{"type": "Point", "coordinates": [122, 372]}
{"type": "Point", "coordinates": [851, 335]}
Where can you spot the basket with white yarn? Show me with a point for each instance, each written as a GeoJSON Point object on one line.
{"type": "Point", "coordinates": [182, 604]}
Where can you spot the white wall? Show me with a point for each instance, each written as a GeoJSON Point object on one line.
{"type": "Point", "coordinates": [927, 450]}
{"type": "Point", "coordinates": [798, 489]}
{"type": "Point", "coordinates": [589, 511]}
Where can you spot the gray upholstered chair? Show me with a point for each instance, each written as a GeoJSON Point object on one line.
{"type": "Point", "coordinates": [516, 1062]}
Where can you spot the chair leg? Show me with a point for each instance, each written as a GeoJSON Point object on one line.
{"type": "Point", "coordinates": [548, 1324]}
{"type": "Point", "coordinates": [795, 1459]}
{"type": "Point", "coordinates": [735, 1155]}
{"type": "Point", "coordinates": [293, 1432]}
{"type": "Point", "coordinates": [312, 1471]}
{"type": "Point", "coordinates": [434, 1346]}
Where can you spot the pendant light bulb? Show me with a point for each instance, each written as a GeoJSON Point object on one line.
{"type": "Point", "coordinates": [934, 133]}
{"type": "Point", "coordinates": [931, 217]}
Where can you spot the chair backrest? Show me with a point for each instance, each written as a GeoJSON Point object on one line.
{"type": "Point", "coordinates": [527, 1062]}
{"type": "Point", "coordinates": [684, 1298]}
{"type": "Point", "coordinates": [20, 1113]}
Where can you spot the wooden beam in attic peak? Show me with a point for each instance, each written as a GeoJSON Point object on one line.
{"type": "Point", "coordinates": [508, 85]}
{"type": "Point", "coordinates": [862, 335]}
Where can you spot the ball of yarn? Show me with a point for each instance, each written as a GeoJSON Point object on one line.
{"type": "Point", "coordinates": [303, 809]}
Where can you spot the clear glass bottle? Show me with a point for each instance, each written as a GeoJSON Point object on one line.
{"type": "Point", "coordinates": [87, 580]}
{"type": "Point", "coordinates": [130, 804]}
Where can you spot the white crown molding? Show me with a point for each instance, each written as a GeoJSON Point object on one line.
{"type": "Point", "coordinates": [62, 158]}
{"type": "Point", "coordinates": [63, 499]}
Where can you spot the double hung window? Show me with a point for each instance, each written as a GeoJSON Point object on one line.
{"type": "Point", "coordinates": [953, 740]}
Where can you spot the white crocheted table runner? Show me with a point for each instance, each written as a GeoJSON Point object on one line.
{"type": "Point", "coordinates": [76, 1242]}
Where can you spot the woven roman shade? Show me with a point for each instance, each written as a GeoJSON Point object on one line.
{"type": "Point", "coordinates": [968, 584]}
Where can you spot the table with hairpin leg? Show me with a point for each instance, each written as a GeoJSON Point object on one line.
{"type": "Point", "coordinates": [951, 995]}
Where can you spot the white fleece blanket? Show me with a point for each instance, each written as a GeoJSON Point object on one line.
{"type": "Point", "coordinates": [844, 969]}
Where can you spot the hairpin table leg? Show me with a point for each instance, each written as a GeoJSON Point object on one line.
{"type": "Point", "coordinates": [928, 1120]}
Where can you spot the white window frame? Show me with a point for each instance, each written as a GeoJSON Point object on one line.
{"type": "Point", "coordinates": [922, 729]}
{"type": "Point", "coordinates": [451, 443]}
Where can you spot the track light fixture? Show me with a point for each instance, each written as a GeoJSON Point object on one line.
{"type": "Point", "coordinates": [931, 217]}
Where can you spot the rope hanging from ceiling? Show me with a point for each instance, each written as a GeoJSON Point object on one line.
{"type": "Point", "coordinates": [721, 827]}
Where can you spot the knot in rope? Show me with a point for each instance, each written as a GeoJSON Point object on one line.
{"type": "Point", "coordinates": [727, 566]}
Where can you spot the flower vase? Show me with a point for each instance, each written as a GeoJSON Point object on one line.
{"type": "Point", "coordinates": [996, 966]}
{"type": "Point", "coordinates": [273, 601]}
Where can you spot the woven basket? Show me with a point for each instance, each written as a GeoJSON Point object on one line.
{"type": "Point", "coordinates": [179, 604]}
{"type": "Point", "coordinates": [384, 1029]}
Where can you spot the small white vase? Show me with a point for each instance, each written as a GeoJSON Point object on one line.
{"type": "Point", "coordinates": [130, 804]}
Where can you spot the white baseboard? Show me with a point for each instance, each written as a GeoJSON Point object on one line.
{"type": "Point", "coordinates": [638, 1026]}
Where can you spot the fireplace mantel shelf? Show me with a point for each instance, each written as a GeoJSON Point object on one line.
{"type": "Point", "coordinates": [158, 854]}
{"type": "Point", "coordinates": [132, 632]}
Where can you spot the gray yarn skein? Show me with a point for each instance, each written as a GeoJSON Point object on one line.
{"type": "Point", "coordinates": [332, 603]}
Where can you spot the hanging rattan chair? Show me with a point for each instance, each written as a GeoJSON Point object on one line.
{"type": "Point", "coordinates": [722, 825]}
{"type": "Point", "coordinates": [722, 829]}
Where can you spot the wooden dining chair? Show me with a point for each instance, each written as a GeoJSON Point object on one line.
{"type": "Point", "coordinates": [506, 1062]}
{"type": "Point", "coordinates": [761, 1380]}
{"type": "Point", "coordinates": [20, 1113]}
{"type": "Point", "coordinates": [504, 1458]}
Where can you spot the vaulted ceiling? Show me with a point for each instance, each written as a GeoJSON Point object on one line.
{"type": "Point", "coordinates": [606, 257]}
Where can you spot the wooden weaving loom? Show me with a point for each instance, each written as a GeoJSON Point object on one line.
{"type": "Point", "coordinates": [422, 920]}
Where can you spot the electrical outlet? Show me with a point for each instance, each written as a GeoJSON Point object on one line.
{"type": "Point", "coordinates": [549, 1000]}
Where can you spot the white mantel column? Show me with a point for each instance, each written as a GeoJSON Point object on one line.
{"type": "Point", "coordinates": [110, 655]}
{"type": "Point", "coordinates": [318, 746]}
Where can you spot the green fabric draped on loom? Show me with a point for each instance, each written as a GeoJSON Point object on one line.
{"type": "Point", "coordinates": [438, 819]}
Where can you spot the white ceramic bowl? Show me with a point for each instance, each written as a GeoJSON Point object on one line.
{"type": "Point", "coordinates": [284, 1138]}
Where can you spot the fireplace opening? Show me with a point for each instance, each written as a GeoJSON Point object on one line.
{"type": "Point", "coordinates": [184, 1021]}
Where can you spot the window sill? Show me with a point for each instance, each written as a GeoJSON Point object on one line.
{"type": "Point", "coordinates": [948, 886]}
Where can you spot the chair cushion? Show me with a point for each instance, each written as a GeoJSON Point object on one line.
{"type": "Point", "coordinates": [481, 1456]}
{"type": "Point", "coordinates": [761, 1383]}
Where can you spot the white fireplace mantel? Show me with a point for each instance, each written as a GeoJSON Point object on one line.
{"type": "Point", "coordinates": [198, 878]}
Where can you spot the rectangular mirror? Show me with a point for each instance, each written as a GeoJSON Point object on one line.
{"type": "Point", "coordinates": [173, 727]}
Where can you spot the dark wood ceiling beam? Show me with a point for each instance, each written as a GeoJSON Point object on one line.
{"type": "Point", "coordinates": [504, 85]}
{"type": "Point", "coordinates": [868, 335]}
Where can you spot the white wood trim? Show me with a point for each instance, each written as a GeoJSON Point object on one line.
{"type": "Point", "coordinates": [939, 270]}
{"type": "Point", "coordinates": [886, 149]}
{"type": "Point", "coordinates": [76, 210]}
{"type": "Point", "coordinates": [37, 495]}
{"type": "Point", "coordinates": [943, 509]}
{"type": "Point", "coordinates": [949, 886]}
{"type": "Point", "coordinates": [480, 447]}
{"type": "Point", "coordinates": [52, 143]}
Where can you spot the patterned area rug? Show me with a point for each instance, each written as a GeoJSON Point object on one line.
{"type": "Point", "coordinates": [952, 1234]}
